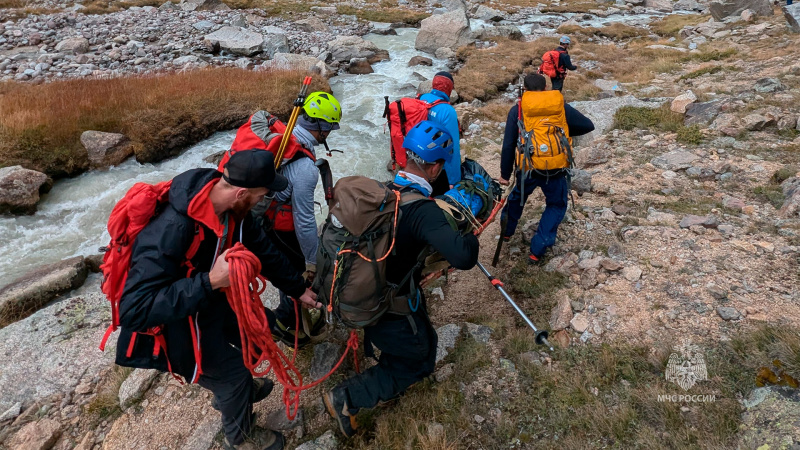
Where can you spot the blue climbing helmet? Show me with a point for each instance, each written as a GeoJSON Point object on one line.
{"type": "Point", "coordinates": [430, 141]}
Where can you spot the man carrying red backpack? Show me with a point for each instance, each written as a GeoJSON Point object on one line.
{"type": "Point", "coordinates": [555, 63]}
{"type": "Point", "coordinates": [172, 313]}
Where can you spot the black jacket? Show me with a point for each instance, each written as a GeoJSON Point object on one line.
{"type": "Point", "coordinates": [159, 293]}
{"type": "Point", "coordinates": [578, 126]}
{"type": "Point", "coordinates": [423, 223]}
{"type": "Point", "coordinates": [565, 61]}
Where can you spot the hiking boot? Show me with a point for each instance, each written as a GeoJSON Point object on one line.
{"type": "Point", "coordinates": [336, 404]}
{"type": "Point", "coordinates": [259, 439]}
{"type": "Point", "coordinates": [533, 260]}
{"type": "Point", "coordinates": [262, 387]}
{"type": "Point", "coordinates": [285, 334]}
{"type": "Point", "coordinates": [506, 239]}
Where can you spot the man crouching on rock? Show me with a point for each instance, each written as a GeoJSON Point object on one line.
{"type": "Point", "coordinates": [164, 289]}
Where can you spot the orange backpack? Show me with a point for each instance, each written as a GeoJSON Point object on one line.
{"type": "Point", "coordinates": [130, 215]}
{"type": "Point", "coordinates": [551, 64]}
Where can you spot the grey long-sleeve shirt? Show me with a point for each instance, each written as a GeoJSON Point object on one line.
{"type": "Point", "coordinates": [302, 175]}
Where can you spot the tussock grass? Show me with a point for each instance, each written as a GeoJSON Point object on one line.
{"type": "Point", "coordinates": [709, 70]}
{"type": "Point", "coordinates": [671, 24]}
{"type": "Point", "coordinates": [105, 406]}
{"type": "Point", "coordinates": [41, 125]}
{"type": "Point", "coordinates": [486, 71]}
{"type": "Point", "coordinates": [384, 14]}
{"type": "Point", "coordinates": [631, 117]}
{"type": "Point", "coordinates": [616, 31]}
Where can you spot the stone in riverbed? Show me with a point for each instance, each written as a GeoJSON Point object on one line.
{"type": "Point", "coordinates": [236, 40]}
{"type": "Point", "coordinates": [420, 61]}
{"type": "Point", "coordinates": [20, 189]}
{"type": "Point", "coordinates": [74, 45]}
{"type": "Point", "coordinates": [444, 30]}
{"type": "Point", "coordinates": [359, 66]}
{"type": "Point", "coordinates": [106, 149]}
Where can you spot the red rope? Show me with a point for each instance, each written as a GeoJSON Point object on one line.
{"type": "Point", "coordinates": [498, 206]}
{"type": "Point", "coordinates": [244, 294]}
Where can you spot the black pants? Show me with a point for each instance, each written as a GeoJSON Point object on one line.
{"type": "Point", "coordinates": [406, 358]}
{"type": "Point", "coordinates": [225, 375]}
{"type": "Point", "coordinates": [288, 245]}
{"type": "Point", "coordinates": [558, 83]}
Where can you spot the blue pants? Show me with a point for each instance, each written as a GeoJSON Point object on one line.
{"type": "Point", "coordinates": [556, 193]}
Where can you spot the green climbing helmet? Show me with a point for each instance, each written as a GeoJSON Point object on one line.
{"type": "Point", "coordinates": [323, 106]}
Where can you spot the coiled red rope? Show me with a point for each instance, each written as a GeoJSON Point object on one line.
{"type": "Point", "coordinates": [244, 294]}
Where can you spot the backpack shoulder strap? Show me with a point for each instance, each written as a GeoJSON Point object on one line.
{"type": "Point", "coordinates": [199, 234]}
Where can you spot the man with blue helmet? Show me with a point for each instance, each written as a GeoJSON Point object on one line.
{"type": "Point", "coordinates": [407, 342]}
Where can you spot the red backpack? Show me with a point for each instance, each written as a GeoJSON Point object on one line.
{"type": "Point", "coordinates": [130, 215]}
{"type": "Point", "coordinates": [402, 115]}
{"type": "Point", "coordinates": [551, 64]}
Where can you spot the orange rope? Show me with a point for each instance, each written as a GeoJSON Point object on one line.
{"type": "Point", "coordinates": [244, 294]}
{"type": "Point", "coordinates": [498, 206]}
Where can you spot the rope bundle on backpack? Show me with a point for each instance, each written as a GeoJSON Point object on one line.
{"type": "Point", "coordinates": [244, 294]}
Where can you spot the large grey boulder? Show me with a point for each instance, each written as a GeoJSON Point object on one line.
{"type": "Point", "coordinates": [135, 386]}
{"type": "Point", "coordinates": [236, 40]}
{"type": "Point", "coordinates": [39, 287]}
{"type": "Point", "coordinates": [106, 149]}
{"type": "Point", "coordinates": [275, 43]}
{"type": "Point", "coordinates": [203, 5]}
{"type": "Point", "coordinates": [500, 31]}
{"type": "Point", "coordinates": [74, 45]}
{"type": "Point", "coordinates": [312, 25]}
{"type": "Point", "coordinates": [601, 112]}
{"type": "Point", "coordinates": [792, 14]}
{"type": "Point", "coordinates": [726, 8]}
{"type": "Point", "coordinates": [701, 113]}
{"type": "Point", "coordinates": [674, 160]}
{"type": "Point", "coordinates": [444, 30]}
{"type": "Point", "coordinates": [483, 12]}
{"type": "Point", "coordinates": [346, 48]}
{"type": "Point", "coordinates": [290, 61]}
{"type": "Point", "coordinates": [20, 189]}
{"type": "Point", "coordinates": [55, 349]}
{"type": "Point", "coordinates": [660, 5]}
{"type": "Point", "coordinates": [326, 354]}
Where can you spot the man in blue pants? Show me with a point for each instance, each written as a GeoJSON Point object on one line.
{"type": "Point", "coordinates": [553, 183]}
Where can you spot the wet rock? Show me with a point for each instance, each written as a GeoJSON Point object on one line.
{"type": "Point", "coordinates": [561, 314]}
{"type": "Point", "coordinates": [680, 102]}
{"type": "Point", "coordinates": [792, 14]}
{"type": "Point", "coordinates": [632, 273]}
{"type": "Point", "coordinates": [480, 333]}
{"type": "Point", "coordinates": [674, 160]}
{"type": "Point", "coordinates": [326, 354]}
{"type": "Point", "coordinates": [768, 85]}
{"type": "Point", "coordinates": [579, 323]}
{"type": "Point", "coordinates": [359, 66]}
{"type": "Point", "coordinates": [701, 113]}
{"type": "Point", "coordinates": [444, 30]}
{"type": "Point", "coordinates": [448, 335]}
{"type": "Point", "coordinates": [728, 313]}
{"type": "Point", "coordinates": [39, 287]}
{"type": "Point", "coordinates": [325, 442]}
{"type": "Point", "coordinates": [135, 386]}
{"type": "Point", "coordinates": [74, 45]}
{"type": "Point", "coordinates": [726, 8]}
{"type": "Point", "coordinates": [41, 435]}
{"type": "Point", "coordinates": [581, 181]}
{"type": "Point", "coordinates": [705, 221]}
{"type": "Point", "coordinates": [236, 40]}
{"type": "Point", "coordinates": [20, 189]}
{"type": "Point", "coordinates": [106, 149]}
{"type": "Point", "coordinates": [345, 48]}
{"type": "Point", "coordinates": [420, 61]}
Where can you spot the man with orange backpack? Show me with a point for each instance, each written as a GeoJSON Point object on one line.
{"type": "Point", "coordinates": [555, 63]}
{"type": "Point", "coordinates": [172, 313]}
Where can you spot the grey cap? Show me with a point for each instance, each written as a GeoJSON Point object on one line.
{"type": "Point", "coordinates": [565, 40]}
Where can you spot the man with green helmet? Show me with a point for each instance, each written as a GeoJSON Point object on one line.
{"type": "Point", "coordinates": [289, 215]}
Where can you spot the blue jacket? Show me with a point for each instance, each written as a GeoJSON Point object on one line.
{"type": "Point", "coordinates": [445, 115]}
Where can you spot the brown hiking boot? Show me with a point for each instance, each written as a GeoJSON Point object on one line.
{"type": "Point", "coordinates": [336, 404]}
{"type": "Point", "coordinates": [259, 439]}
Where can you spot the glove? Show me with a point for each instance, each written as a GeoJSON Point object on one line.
{"type": "Point", "coordinates": [310, 273]}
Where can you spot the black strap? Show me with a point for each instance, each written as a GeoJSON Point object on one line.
{"type": "Point", "coordinates": [402, 114]}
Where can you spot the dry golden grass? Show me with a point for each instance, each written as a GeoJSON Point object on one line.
{"type": "Point", "coordinates": [572, 6]}
{"type": "Point", "coordinates": [105, 406]}
{"type": "Point", "coordinates": [106, 7]}
{"type": "Point", "coordinates": [671, 24]}
{"type": "Point", "coordinates": [274, 7]}
{"type": "Point", "coordinates": [385, 14]}
{"type": "Point", "coordinates": [41, 125]}
{"type": "Point", "coordinates": [617, 31]}
{"type": "Point", "coordinates": [496, 111]}
{"type": "Point", "coordinates": [486, 71]}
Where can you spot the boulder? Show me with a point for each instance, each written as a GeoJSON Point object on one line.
{"type": "Point", "coordinates": [20, 189]}
{"type": "Point", "coordinates": [275, 43]}
{"type": "Point", "coordinates": [659, 5]}
{"type": "Point", "coordinates": [680, 102]}
{"type": "Point", "coordinates": [203, 5]}
{"type": "Point", "coordinates": [39, 287]}
{"type": "Point", "coordinates": [792, 14]}
{"type": "Point", "coordinates": [757, 122]}
{"type": "Point", "coordinates": [135, 386]}
{"type": "Point", "coordinates": [601, 112]}
{"type": "Point", "coordinates": [701, 113]}
{"type": "Point", "coordinates": [721, 9]}
{"type": "Point", "coordinates": [688, 5]}
{"type": "Point", "coordinates": [345, 48]}
{"type": "Point", "coordinates": [236, 40]}
{"type": "Point", "coordinates": [290, 61]}
{"type": "Point", "coordinates": [691, 220]}
{"type": "Point", "coordinates": [313, 25]}
{"type": "Point", "coordinates": [106, 149]}
{"type": "Point", "coordinates": [326, 354]}
{"type": "Point", "coordinates": [420, 61]}
{"type": "Point", "coordinates": [748, 15]}
{"type": "Point", "coordinates": [327, 441]}
{"type": "Point", "coordinates": [768, 85]}
{"type": "Point", "coordinates": [593, 156]}
{"type": "Point", "coordinates": [444, 53]}
{"type": "Point", "coordinates": [791, 193]}
{"type": "Point", "coordinates": [359, 66]}
{"type": "Point", "coordinates": [444, 30]}
{"type": "Point", "coordinates": [483, 12]}
{"type": "Point", "coordinates": [41, 435]}
{"type": "Point", "coordinates": [728, 313]}
{"type": "Point", "coordinates": [74, 45]}
{"type": "Point", "coordinates": [581, 181]}
{"type": "Point", "coordinates": [54, 350]}
{"type": "Point", "coordinates": [500, 31]}
{"type": "Point", "coordinates": [674, 160]}
{"type": "Point", "coordinates": [561, 314]}
{"type": "Point", "coordinates": [727, 124]}
{"type": "Point", "coordinates": [448, 335]}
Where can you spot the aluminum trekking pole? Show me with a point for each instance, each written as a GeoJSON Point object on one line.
{"type": "Point", "coordinates": [541, 335]}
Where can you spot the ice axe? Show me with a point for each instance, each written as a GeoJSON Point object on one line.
{"type": "Point", "coordinates": [298, 105]}
{"type": "Point", "coordinates": [541, 335]}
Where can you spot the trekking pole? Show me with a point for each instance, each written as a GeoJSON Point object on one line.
{"type": "Point", "coordinates": [503, 222]}
{"type": "Point", "coordinates": [541, 335]}
{"type": "Point", "coordinates": [298, 105]}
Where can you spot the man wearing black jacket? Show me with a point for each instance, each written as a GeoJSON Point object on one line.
{"type": "Point", "coordinates": [564, 63]}
{"type": "Point", "coordinates": [197, 328]}
{"type": "Point", "coordinates": [407, 340]}
{"type": "Point", "coordinates": [553, 183]}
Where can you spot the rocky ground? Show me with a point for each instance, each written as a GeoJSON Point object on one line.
{"type": "Point", "coordinates": [686, 226]}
